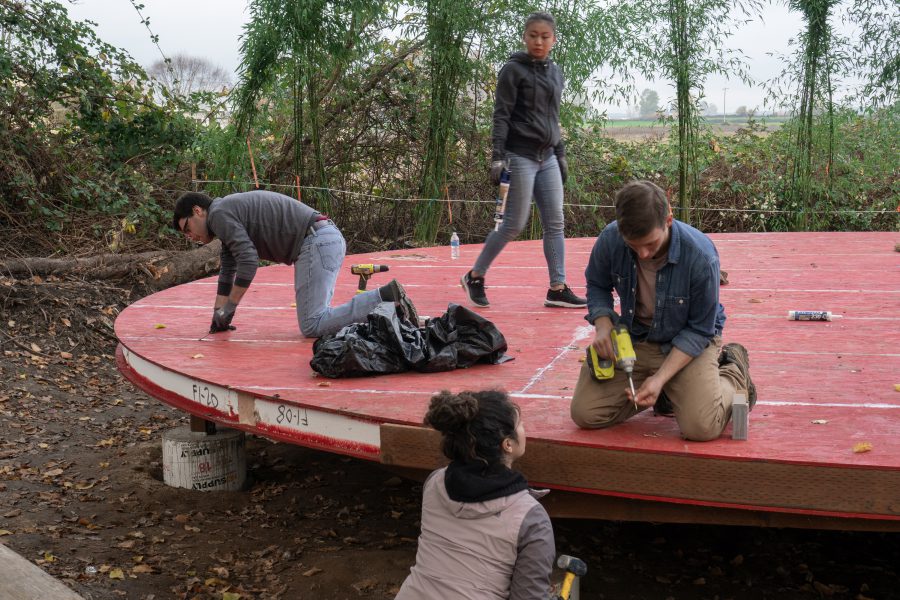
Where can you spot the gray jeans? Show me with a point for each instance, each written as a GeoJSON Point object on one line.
{"type": "Point", "coordinates": [315, 274]}
{"type": "Point", "coordinates": [542, 181]}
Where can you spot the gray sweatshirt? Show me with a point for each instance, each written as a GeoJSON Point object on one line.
{"type": "Point", "coordinates": [256, 225]}
{"type": "Point", "coordinates": [526, 109]}
{"type": "Point", "coordinates": [492, 550]}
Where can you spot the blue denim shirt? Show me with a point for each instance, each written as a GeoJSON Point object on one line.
{"type": "Point", "coordinates": [687, 314]}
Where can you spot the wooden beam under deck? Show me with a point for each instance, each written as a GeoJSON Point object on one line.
{"type": "Point", "coordinates": [633, 486]}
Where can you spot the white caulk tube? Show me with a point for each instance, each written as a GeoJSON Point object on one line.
{"type": "Point", "coordinates": [812, 315]}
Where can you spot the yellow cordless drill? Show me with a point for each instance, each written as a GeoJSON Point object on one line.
{"type": "Point", "coordinates": [364, 272]}
{"type": "Point", "coordinates": [601, 369]}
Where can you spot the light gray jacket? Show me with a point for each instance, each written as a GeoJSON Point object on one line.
{"type": "Point", "coordinates": [498, 549]}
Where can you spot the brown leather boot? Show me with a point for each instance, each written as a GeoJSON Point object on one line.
{"type": "Point", "coordinates": [736, 354]}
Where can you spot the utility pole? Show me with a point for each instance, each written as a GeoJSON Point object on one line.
{"type": "Point", "coordinates": [724, 112]}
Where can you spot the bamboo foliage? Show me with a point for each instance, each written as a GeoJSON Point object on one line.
{"type": "Point", "coordinates": [684, 41]}
{"type": "Point", "coordinates": [308, 44]}
{"type": "Point", "coordinates": [465, 38]}
{"type": "Point", "coordinates": [876, 52]}
{"type": "Point", "coordinates": [449, 36]}
{"type": "Point", "coordinates": [815, 90]}
{"type": "Point", "coordinates": [682, 32]}
{"type": "Point", "coordinates": [811, 80]}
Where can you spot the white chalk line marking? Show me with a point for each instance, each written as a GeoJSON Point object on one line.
{"type": "Point", "coordinates": [565, 349]}
{"type": "Point", "coordinates": [581, 333]}
{"type": "Point", "coordinates": [207, 307]}
{"type": "Point", "coordinates": [811, 290]}
{"type": "Point", "coordinates": [210, 338]}
{"type": "Point", "coordinates": [527, 396]}
{"type": "Point", "coordinates": [832, 353]}
{"type": "Point", "coordinates": [293, 309]}
{"type": "Point", "coordinates": [829, 404]}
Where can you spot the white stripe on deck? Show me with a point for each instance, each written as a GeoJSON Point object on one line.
{"type": "Point", "coordinates": [581, 333]}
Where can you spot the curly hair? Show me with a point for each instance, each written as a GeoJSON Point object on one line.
{"type": "Point", "coordinates": [473, 424]}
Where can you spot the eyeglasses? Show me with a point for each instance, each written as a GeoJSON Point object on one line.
{"type": "Point", "coordinates": [186, 228]}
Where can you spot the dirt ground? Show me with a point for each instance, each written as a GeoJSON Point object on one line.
{"type": "Point", "coordinates": [81, 496]}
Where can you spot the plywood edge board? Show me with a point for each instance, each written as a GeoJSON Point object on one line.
{"type": "Point", "coordinates": [570, 505]}
{"type": "Point", "coordinates": [771, 486]}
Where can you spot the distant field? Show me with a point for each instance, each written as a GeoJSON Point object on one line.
{"type": "Point", "coordinates": [638, 129]}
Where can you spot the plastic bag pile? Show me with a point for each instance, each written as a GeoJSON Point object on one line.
{"type": "Point", "coordinates": [385, 343]}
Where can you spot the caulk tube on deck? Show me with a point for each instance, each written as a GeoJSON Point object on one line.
{"type": "Point", "coordinates": [811, 315]}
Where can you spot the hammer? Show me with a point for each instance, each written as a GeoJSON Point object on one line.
{"type": "Point", "coordinates": [574, 567]}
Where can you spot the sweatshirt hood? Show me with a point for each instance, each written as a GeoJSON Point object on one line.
{"type": "Point", "coordinates": [470, 492]}
{"type": "Point", "coordinates": [526, 59]}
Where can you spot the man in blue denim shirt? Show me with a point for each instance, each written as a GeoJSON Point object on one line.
{"type": "Point", "coordinates": [666, 274]}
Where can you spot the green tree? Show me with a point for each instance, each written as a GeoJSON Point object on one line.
{"type": "Point", "coordinates": [684, 40]}
{"type": "Point", "coordinates": [810, 83]}
{"type": "Point", "coordinates": [649, 103]}
{"type": "Point", "coordinates": [875, 53]}
{"type": "Point", "coordinates": [309, 44]}
{"type": "Point", "coordinates": [451, 30]}
{"type": "Point", "coordinates": [81, 135]}
{"type": "Point", "coordinates": [816, 89]}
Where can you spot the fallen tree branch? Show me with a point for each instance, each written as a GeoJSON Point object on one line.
{"type": "Point", "coordinates": [157, 269]}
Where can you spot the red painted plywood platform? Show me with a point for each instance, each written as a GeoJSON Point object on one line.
{"type": "Point", "coordinates": [824, 387]}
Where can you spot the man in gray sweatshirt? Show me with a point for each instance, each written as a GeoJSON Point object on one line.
{"type": "Point", "coordinates": [270, 226]}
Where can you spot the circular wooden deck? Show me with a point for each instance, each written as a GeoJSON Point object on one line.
{"type": "Point", "coordinates": [824, 387]}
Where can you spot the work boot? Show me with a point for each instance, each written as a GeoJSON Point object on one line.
{"type": "Point", "coordinates": [405, 307]}
{"type": "Point", "coordinates": [564, 298]}
{"type": "Point", "coordinates": [737, 355]}
{"type": "Point", "coordinates": [474, 287]}
{"type": "Point", "coordinates": [663, 406]}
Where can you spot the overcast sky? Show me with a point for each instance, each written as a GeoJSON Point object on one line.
{"type": "Point", "coordinates": [211, 29]}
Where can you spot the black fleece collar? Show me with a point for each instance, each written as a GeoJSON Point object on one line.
{"type": "Point", "coordinates": [526, 59]}
{"type": "Point", "coordinates": [472, 482]}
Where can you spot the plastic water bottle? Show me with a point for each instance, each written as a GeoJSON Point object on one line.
{"type": "Point", "coordinates": [454, 246]}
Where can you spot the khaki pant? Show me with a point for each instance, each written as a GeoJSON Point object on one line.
{"type": "Point", "coordinates": [701, 393]}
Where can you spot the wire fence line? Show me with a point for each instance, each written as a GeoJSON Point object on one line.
{"type": "Point", "coordinates": [196, 182]}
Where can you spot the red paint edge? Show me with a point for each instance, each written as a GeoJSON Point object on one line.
{"type": "Point", "coordinates": [373, 453]}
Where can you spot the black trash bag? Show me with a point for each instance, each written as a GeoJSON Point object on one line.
{"type": "Point", "coordinates": [461, 338]}
{"type": "Point", "coordinates": [385, 343]}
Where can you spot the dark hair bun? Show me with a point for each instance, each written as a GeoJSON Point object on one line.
{"type": "Point", "coordinates": [451, 412]}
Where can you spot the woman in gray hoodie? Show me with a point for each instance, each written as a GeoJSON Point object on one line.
{"type": "Point", "coordinates": [484, 534]}
{"type": "Point", "coordinates": [528, 144]}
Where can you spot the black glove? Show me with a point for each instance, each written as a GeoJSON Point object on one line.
{"type": "Point", "coordinates": [563, 168]}
{"type": "Point", "coordinates": [222, 317]}
{"type": "Point", "coordinates": [497, 168]}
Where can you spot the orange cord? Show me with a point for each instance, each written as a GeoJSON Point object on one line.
{"type": "Point", "coordinates": [252, 165]}
{"type": "Point", "coordinates": [449, 205]}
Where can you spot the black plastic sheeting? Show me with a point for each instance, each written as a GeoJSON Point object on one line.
{"type": "Point", "coordinates": [385, 343]}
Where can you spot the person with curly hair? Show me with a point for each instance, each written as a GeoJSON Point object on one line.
{"type": "Point", "coordinates": [484, 534]}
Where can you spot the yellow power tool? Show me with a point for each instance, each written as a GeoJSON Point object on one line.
{"type": "Point", "coordinates": [365, 271]}
{"type": "Point", "coordinates": [601, 369]}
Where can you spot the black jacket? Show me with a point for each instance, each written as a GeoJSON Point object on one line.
{"type": "Point", "coordinates": [526, 109]}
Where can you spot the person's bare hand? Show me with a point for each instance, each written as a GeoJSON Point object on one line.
{"type": "Point", "coordinates": [647, 393]}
